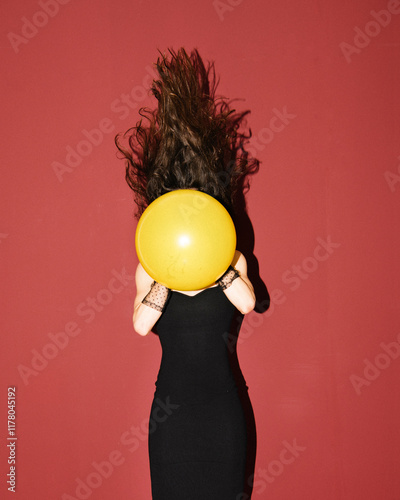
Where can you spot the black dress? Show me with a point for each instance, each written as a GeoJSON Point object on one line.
{"type": "Point", "coordinates": [197, 430]}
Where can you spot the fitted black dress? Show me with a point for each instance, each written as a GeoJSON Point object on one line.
{"type": "Point", "coordinates": [197, 430]}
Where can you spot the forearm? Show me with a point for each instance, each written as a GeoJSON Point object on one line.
{"type": "Point", "coordinates": [241, 295]}
{"type": "Point", "coordinates": [144, 318]}
{"type": "Point", "coordinates": [238, 289]}
{"type": "Point", "coordinates": [148, 308]}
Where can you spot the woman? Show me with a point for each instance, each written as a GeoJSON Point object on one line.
{"type": "Point", "coordinates": [197, 449]}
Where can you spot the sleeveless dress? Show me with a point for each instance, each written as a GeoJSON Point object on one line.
{"type": "Point", "coordinates": [197, 428]}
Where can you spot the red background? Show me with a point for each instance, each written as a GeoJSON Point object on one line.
{"type": "Point", "coordinates": [331, 172]}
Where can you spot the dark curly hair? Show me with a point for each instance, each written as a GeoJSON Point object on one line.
{"type": "Point", "coordinates": [191, 139]}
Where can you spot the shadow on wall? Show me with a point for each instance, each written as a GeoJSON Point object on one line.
{"type": "Point", "coordinates": [245, 243]}
{"type": "Point", "coordinates": [243, 225]}
{"type": "Point", "coordinates": [245, 235]}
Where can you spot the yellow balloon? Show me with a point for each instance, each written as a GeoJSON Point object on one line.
{"type": "Point", "coordinates": [185, 240]}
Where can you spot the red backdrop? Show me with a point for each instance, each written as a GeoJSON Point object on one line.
{"type": "Point", "coordinates": [323, 363]}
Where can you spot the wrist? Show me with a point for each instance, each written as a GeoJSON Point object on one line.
{"type": "Point", "coordinates": [226, 280]}
{"type": "Point", "coordinates": [157, 297]}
